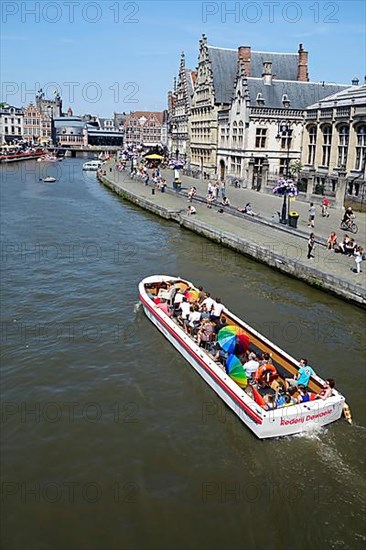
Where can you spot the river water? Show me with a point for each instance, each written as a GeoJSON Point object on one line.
{"type": "Point", "coordinates": [109, 439]}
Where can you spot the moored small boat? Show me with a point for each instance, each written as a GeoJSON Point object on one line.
{"type": "Point", "coordinates": [49, 179]}
{"type": "Point", "coordinates": [244, 399]}
{"type": "Point", "coordinates": [92, 165]}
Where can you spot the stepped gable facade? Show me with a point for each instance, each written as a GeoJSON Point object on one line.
{"type": "Point", "coordinates": [179, 108]}
{"type": "Point", "coordinates": [214, 91]}
{"type": "Point", "coordinates": [253, 147]}
{"type": "Point", "coordinates": [143, 127]}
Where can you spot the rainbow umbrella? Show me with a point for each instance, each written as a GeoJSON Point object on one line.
{"type": "Point", "coordinates": [192, 295]}
{"type": "Point", "coordinates": [231, 336]}
{"type": "Point", "coordinates": [236, 371]}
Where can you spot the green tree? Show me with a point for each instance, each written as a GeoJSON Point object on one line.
{"type": "Point", "coordinates": [295, 169]}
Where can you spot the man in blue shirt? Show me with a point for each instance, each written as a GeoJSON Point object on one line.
{"type": "Point", "coordinates": [302, 377]}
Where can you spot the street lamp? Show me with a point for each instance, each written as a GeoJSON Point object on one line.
{"type": "Point", "coordinates": [284, 132]}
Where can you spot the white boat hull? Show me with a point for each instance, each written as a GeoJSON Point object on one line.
{"type": "Point", "coordinates": [284, 421]}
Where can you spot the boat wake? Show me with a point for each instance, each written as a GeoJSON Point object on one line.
{"type": "Point", "coordinates": [137, 307]}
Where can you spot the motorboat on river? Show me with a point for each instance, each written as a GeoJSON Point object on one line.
{"type": "Point", "coordinates": [92, 165]}
{"type": "Point", "coordinates": [244, 397]}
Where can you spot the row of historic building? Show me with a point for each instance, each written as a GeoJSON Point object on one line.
{"type": "Point", "coordinates": [44, 123]}
{"type": "Point", "coordinates": [255, 116]}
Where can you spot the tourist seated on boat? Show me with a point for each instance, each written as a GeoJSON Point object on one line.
{"type": "Point", "coordinates": [265, 359]}
{"type": "Point", "coordinates": [303, 375]}
{"type": "Point", "coordinates": [218, 353]}
{"type": "Point", "coordinates": [332, 241]}
{"type": "Point", "coordinates": [305, 395]}
{"type": "Point", "coordinates": [327, 390]}
{"type": "Point", "coordinates": [270, 401]}
{"type": "Point", "coordinates": [163, 305]}
{"type": "Point", "coordinates": [284, 401]}
{"type": "Point", "coordinates": [217, 309]}
{"type": "Point", "coordinates": [204, 313]}
{"type": "Point", "coordinates": [194, 320]}
{"type": "Point", "coordinates": [219, 324]}
{"type": "Point", "coordinates": [205, 333]}
{"type": "Point", "coordinates": [251, 365]}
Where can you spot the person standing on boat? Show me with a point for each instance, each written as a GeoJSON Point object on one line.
{"type": "Point", "coordinates": [217, 309]}
{"type": "Point", "coordinates": [208, 301]}
{"type": "Point", "coordinates": [303, 375]}
{"type": "Point", "coordinates": [163, 305]}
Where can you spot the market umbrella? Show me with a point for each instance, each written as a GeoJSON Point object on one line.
{"type": "Point", "coordinates": [154, 156]}
{"type": "Point", "coordinates": [236, 371]}
{"type": "Point", "coordinates": [231, 337]}
{"type": "Point", "coordinates": [192, 295]}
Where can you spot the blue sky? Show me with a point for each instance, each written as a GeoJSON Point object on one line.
{"type": "Point", "coordinates": [121, 56]}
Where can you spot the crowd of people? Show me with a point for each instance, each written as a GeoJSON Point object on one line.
{"type": "Point", "coordinates": [202, 318]}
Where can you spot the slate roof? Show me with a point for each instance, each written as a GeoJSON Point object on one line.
{"type": "Point", "coordinates": [224, 64]}
{"type": "Point", "coordinates": [300, 94]}
{"type": "Point", "coordinates": [189, 81]}
{"type": "Point", "coordinates": [355, 93]}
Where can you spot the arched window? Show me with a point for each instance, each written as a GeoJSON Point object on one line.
{"type": "Point", "coordinates": [327, 143]}
{"type": "Point", "coordinates": [343, 146]}
{"type": "Point", "coordinates": [312, 145]}
{"type": "Point", "coordinates": [361, 148]}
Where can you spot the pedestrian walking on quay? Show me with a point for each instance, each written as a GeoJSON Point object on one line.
{"type": "Point", "coordinates": [312, 211]}
{"type": "Point", "coordinates": [311, 246]}
{"type": "Point", "coordinates": [325, 205]}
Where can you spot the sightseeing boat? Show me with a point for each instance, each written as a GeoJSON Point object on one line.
{"type": "Point", "coordinates": [245, 399]}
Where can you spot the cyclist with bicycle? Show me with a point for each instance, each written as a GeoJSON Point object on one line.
{"type": "Point", "coordinates": [348, 216]}
{"type": "Point", "coordinates": [347, 222]}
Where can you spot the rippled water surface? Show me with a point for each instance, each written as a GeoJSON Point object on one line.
{"type": "Point", "coordinates": [109, 439]}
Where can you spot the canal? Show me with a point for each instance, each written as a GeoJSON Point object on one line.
{"type": "Point", "coordinates": [109, 439]}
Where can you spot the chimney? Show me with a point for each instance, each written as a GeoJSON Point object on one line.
{"type": "Point", "coordinates": [244, 55]}
{"type": "Point", "coordinates": [302, 68]}
{"type": "Point", "coordinates": [355, 81]}
{"type": "Point", "coordinates": [267, 73]}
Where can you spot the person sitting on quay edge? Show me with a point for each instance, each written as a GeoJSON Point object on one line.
{"type": "Point", "coordinates": [343, 245]}
{"type": "Point", "coordinates": [302, 377]}
{"type": "Point", "coordinates": [350, 247]}
{"type": "Point", "coordinates": [248, 209]}
{"type": "Point", "coordinates": [332, 241]}
{"type": "Point", "coordinates": [191, 210]}
{"type": "Point", "coordinates": [191, 193]}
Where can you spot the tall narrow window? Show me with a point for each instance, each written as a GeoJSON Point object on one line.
{"type": "Point", "coordinates": [260, 137]}
{"type": "Point", "coordinates": [241, 132]}
{"type": "Point", "coordinates": [361, 148]}
{"type": "Point", "coordinates": [327, 143]}
{"type": "Point", "coordinates": [235, 133]}
{"type": "Point", "coordinates": [343, 146]}
{"type": "Point", "coordinates": [312, 145]}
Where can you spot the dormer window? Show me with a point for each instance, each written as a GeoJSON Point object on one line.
{"type": "Point", "coordinates": [260, 99]}
{"type": "Point", "coordinates": [285, 101]}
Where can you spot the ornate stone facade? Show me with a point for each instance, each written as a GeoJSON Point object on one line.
{"type": "Point", "coordinates": [179, 108]}
{"type": "Point", "coordinates": [37, 126]}
{"type": "Point", "coordinates": [334, 144]}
